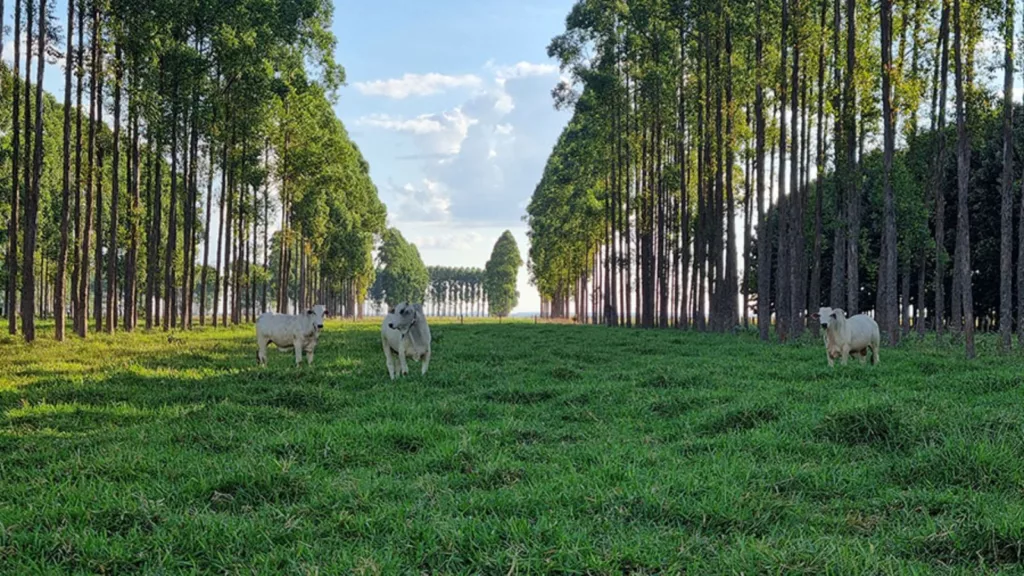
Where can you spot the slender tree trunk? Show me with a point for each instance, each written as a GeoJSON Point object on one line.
{"type": "Point", "coordinates": [28, 273]}
{"type": "Point", "coordinates": [852, 174]}
{"type": "Point", "coordinates": [887, 294]}
{"type": "Point", "coordinates": [1006, 212]}
{"type": "Point", "coordinates": [764, 268]}
{"type": "Point", "coordinates": [963, 226]}
{"type": "Point", "coordinates": [206, 236]}
{"type": "Point", "coordinates": [942, 71]}
{"type": "Point", "coordinates": [795, 231]}
{"type": "Point", "coordinates": [28, 321]}
{"type": "Point", "coordinates": [131, 315]}
{"type": "Point", "coordinates": [814, 294]}
{"type": "Point", "coordinates": [62, 256]}
{"type": "Point", "coordinates": [98, 120]}
{"type": "Point", "coordinates": [12, 224]}
{"type": "Point", "coordinates": [115, 193]}
{"type": "Point", "coordinates": [78, 275]}
{"type": "Point", "coordinates": [782, 272]}
{"type": "Point", "coordinates": [170, 297]}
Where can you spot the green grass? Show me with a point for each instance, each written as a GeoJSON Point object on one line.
{"type": "Point", "coordinates": [526, 449]}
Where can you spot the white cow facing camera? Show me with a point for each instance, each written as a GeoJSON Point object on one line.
{"type": "Point", "coordinates": [405, 333]}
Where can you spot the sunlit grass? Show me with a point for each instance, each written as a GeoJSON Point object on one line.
{"type": "Point", "coordinates": [526, 448]}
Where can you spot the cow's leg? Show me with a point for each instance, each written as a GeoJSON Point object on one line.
{"type": "Point", "coordinates": [831, 361]}
{"type": "Point", "coordinates": [874, 354]}
{"type": "Point", "coordinates": [298, 352]}
{"type": "Point", "coordinates": [401, 357]}
{"type": "Point", "coordinates": [309, 356]}
{"type": "Point", "coordinates": [261, 353]}
{"type": "Point", "coordinates": [425, 363]}
{"type": "Point", "coordinates": [846, 354]}
{"type": "Point", "coordinates": [387, 357]}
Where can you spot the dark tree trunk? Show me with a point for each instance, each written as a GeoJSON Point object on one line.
{"type": "Point", "coordinates": [62, 257]}
{"type": "Point", "coordinates": [764, 270]}
{"type": "Point", "coordinates": [12, 225]}
{"type": "Point", "coordinates": [963, 225]}
{"type": "Point", "coordinates": [887, 306]}
{"type": "Point", "coordinates": [115, 194]}
{"type": "Point", "coordinates": [1006, 212]}
{"type": "Point", "coordinates": [28, 321]}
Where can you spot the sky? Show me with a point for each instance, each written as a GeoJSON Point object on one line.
{"type": "Point", "coordinates": [450, 103]}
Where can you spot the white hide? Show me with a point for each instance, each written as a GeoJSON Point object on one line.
{"type": "Point", "coordinates": [405, 333]}
{"type": "Point", "coordinates": [298, 332]}
{"type": "Point", "coordinates": [857, 334]}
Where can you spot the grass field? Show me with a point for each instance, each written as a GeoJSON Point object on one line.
{"type": "Point", "coordinates": [526, 449]}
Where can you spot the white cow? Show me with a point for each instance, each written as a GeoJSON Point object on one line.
{"type": "Point", "coordinates": [405, 332]}
{"type": "Point", "coordinates": [856, 334]}
{"type": "Point", "coordinates": [290, 332]}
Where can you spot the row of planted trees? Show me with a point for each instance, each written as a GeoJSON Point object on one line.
{"type": "Point", "coordinates": [401, 276]}
{"type": "Point", "coordinates": [112, 194]}
{"type": "Point", "coordinates": [820, 142]}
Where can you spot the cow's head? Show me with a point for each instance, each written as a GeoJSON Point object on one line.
{"type": "Point", "coordinates": [316, 314]}
{"type": "Point", "coordinates": [822, 315]}
{"type": "Point", "coordinates": [403, 316]}
{"type": "Point", "coordinates": [836, 314]}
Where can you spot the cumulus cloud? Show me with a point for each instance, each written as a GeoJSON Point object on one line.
{"type": "Point", "coordinates": [463, 241]}
{"type": "Point", "coordinates": [417, 85]}
{"type": "Point", "coordinates": [521, 69]}
{"type": "Point", "coordinates": [480, 160]}
{"type": "Point", "coordinates": [435, 133]}
{"type": "Point", "coordinates": [422, 202]}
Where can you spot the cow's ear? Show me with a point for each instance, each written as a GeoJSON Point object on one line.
{"type": "Point", "coordinates": [310, 311]}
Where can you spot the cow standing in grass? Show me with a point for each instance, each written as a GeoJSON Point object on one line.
{"type": "Point", "coordinates": [405, 333]}
{"type": "Point", "coordinates": [857, 334]}
{"type": "Point", "coordinates": [297, 332]}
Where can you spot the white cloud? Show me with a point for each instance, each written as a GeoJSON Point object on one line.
{"type": "Point", "coordinates": [424, 124]}
{"type": "Point", "coordinates": [417, 85]}
{"type": "Point", "coordinates": [463, 241]}
{"type": "Point", "coordinates": [435, 133]}
{"type": "Point", "coordinates": [520, 69]}
{"type": "Point", "coordinates": [425, 202]}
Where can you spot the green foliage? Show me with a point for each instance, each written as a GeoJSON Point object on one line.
{"type": "Point", "coordinates": [402, 276]}
{"type": "Point", "coordinates": [500, 275]}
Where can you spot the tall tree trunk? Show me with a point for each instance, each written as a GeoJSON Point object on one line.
{"type": "Point", "coordinates": [78, 275]}
{"type": "Point", "coordinates": [887, 295]}
{"type": "Point", "coordinates": [796, 231]}
{"type": "Point", "coordinates": [764, 269]}
{"type": "Point", "coordinates": [853, 192]}
{"type": "Point", "coordinates": [12, 225]}
{"type": "Point", "coordinates": [132, 276]}
{"type": "Point", "coordinates": [115, 193]}
{"type": "Point", "coordinates": [782, 272]}
{"type": "Point", "coordinates": [62, 256]}
{"type": "Point", "coordinates": [963, 225]}
{"type": "Point", "coordinates": [731, 265]}
{"type": "Point", "coordinates": [27, 273]}
{"type": "Point", "coordinates": [98, 120]}
{"type": "Point", "coordinates": [814, 293]}
{"type": "Point", "coordinates": [206, 233]}
{"type": "Point", "coordinates": [170, 297]}
{"type": "Point", "coordinates": [28, 321]}
{"type": "Point", "coordinates": [1006, 212]}
{"type": "Point", "coordinates": [942, 72]}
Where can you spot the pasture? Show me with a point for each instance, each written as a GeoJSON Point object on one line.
{"type": "Point", "coordinates": [525, 449]}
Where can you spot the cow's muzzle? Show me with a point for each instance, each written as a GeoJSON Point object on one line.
{"type": "Point", "coordinates": [320, 327]}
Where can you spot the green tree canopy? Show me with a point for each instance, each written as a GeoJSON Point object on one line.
{"type": "Point", "coordinates": [501, 272]}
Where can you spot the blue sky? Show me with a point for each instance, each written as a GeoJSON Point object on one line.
{"type": "Point", "coordinates": [450, 103]}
